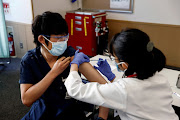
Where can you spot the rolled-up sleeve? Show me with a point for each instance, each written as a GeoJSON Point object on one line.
{"type": "Point", "coordinates": [111, 95]}
{"type": "Point", "coordinates": [26, 76]}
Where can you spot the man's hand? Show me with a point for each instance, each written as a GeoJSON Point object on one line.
{"type": "Point", "coordinates": [72, 57]}
{"type": "Point", "coordinates": [60, 65]}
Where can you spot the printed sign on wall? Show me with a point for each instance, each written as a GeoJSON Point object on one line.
{"type": "Point", "coordinates": [120, 4]}
{"type": "Point", "coordinates": [6, 8]}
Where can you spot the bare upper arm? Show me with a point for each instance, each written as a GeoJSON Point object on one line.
{"type": "Point", "coordinates": [91, 73]}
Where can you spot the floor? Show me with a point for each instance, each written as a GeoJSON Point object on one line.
{"type": "Point", "coordinates": [11, 107]}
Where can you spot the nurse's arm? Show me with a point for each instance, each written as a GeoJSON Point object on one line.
{"type": "Point", "coordinates": [108, 95]}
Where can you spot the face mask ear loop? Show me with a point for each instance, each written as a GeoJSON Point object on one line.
{"type": "Point", "coordinates": [47, 39]}
{"type": "Point", "coordinates": [125, 65]}
{"type": "Point", "coordinates": [45, 47]}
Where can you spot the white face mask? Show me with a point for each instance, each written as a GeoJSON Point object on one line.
{"type": "Point", "coordinates": [58, 48]}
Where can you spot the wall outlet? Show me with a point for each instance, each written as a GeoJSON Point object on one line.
{"type": "Point", "coordinates": [21, 45]}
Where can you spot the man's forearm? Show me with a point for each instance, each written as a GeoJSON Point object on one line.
{"type": "Point", "coordinates": [35, 92]}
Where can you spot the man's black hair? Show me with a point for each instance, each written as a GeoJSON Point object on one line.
{"type": "Point", "coordinates": [47, 24]}
{"type": "Point", "coordinates": [130, 45]}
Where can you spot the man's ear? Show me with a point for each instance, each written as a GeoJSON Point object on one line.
{"type": "Point", "coordinates": [41, 39]}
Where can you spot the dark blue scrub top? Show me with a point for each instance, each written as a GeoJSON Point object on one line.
{"type": "Point", "coordinates": [34, 68]}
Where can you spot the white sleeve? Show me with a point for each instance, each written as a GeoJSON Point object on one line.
{"type": "Point", "coordinates": [112, 95]}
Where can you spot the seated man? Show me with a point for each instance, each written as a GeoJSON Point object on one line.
{"type": "Point", "coordinates": [43, 70]}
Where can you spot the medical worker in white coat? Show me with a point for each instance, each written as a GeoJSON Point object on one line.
{"type": "Point", "coordinates": [142, 93]}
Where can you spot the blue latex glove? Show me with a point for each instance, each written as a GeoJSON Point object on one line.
{"type": "Point", "coordinates": [79, 58]}
{"type": "Point", "coordinates": [105, 69]}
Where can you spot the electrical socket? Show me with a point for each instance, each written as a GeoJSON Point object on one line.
{"type": "Point", "coordinates": [21, 45]}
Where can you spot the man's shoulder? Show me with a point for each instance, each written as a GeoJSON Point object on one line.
{"type": "Point", "coordinates": [70, 51]}
{"type": "Point", "coordinates": [29, 55]}
{"type": "Point", "coordinates": [70, 48]}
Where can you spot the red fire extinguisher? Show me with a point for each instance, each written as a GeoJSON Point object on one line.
{"type": "Point", "coordinates": [11, 44]}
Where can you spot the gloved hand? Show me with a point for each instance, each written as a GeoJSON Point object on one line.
{"type": "Point", "coordinates": [79, 58]}
{"type": "Point", "coordinates": [105, 69]}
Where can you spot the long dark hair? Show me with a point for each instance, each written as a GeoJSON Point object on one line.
{"type": "Point", "coordinates": [130, 45]}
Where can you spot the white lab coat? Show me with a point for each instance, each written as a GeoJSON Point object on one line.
{"type": "Point", "coordinates": [134, 99]}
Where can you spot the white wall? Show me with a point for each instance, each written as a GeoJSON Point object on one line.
{"type": "Point", "coordinates": [152, 11]}
{"type": "Point", "coordinates": [20, 11]}
{"type": "Point", "coordinates": [60, 6]}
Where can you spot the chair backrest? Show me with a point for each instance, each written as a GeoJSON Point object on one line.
{"type": "Point", "coordinates": [5, 60]}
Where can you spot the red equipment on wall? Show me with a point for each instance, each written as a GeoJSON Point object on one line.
{"type": "Point", "coordinates": [83, 31]}
{"type": "Point", "coordinates": [11, 44]}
